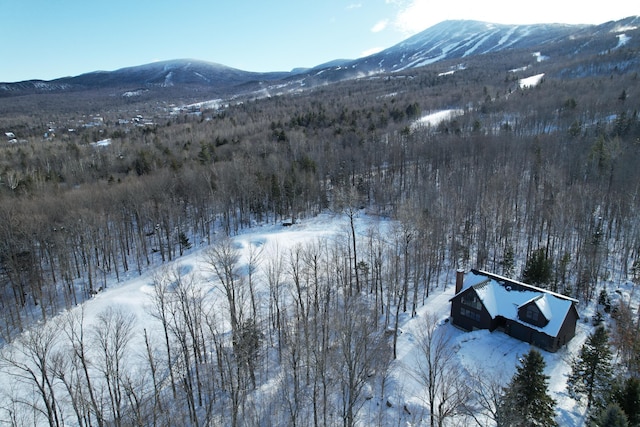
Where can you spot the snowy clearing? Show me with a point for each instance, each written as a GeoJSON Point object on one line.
{"type": "Point", "coordinates": [437, 117]}
{"type": "Point", "coordinates": [493, 354]}
{"type": "Point", "coordinates": [530, 81]}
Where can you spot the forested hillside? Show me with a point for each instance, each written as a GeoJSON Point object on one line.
{"type": "Point", "coordinates": [90, 196]}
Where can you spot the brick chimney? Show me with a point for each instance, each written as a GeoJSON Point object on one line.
{"type": "Point", "coordinates": [459, 280]}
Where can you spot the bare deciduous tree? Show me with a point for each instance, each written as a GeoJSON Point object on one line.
{"type": "Point", "coordinates": [446, 390]}
{"type": "Point", "coordinates": [223, 257]}
{"type": "Point", "coordinates": [112, 334]}
{"type": "Point", "coordinates": [30, 359]}
{"type": "Point", "coordinates": [486, 391]}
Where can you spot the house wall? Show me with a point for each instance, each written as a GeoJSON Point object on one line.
{"type": "Point", "coordinates": [568, 328]}
{"type": "Point", "coordinates": [532, 336]}
{"type": "Point", "coordinates": [465, 322]}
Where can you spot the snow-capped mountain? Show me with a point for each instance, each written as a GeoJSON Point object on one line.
{"type": "Point", "coordinates": [462, 40]}
{"type": "Point", "coordinates": [449, 40]}
{"type": "Point", "coordinates": [170, 73]}
{"type": "Point", "coordinates": [164, 74]}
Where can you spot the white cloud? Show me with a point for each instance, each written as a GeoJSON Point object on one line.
{"type": "Point", "coordinates": [354, 6]}
{"type": "Point", "coordinates": [413, 16]}
{"type": "Point", "coordinates": [379, 26]}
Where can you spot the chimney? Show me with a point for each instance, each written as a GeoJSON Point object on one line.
{"type": "Point", "coordinates": [459, 280]}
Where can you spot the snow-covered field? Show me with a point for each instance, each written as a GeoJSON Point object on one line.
{"type": "Point", "coordinates": [530, 81]}
{"type": "Point", "coordinates": [495, 354]}
{"type": "Point", "coordinates": [436, 117]}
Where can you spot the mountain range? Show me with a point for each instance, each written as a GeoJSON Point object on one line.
{"type": "Point", "coordinates": [449, 43]}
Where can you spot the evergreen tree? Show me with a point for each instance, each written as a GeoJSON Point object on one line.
{"type": "Point", "coordinates": [627, 396]}
{"type": "Point", "coordinates": [539, 268]}
{"type": "Point", "coordinates": [604, 301]}
{"type": "Point", "coordinates": [612, 416]}
{"type": "Point", "coordinates": [526, 401]}
{"type": "Point", "coordinates": [508, 261]}
{"type": "Point", "coordinates": [184, 242]}
{"type": "Point", "coordinates": [591, 371]}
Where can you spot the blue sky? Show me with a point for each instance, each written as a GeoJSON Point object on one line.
{"type": "Point", "coordinates": [47, 39]}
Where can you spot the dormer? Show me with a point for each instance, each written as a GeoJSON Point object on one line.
{"type": "Point", "coordinates": [535, 311]}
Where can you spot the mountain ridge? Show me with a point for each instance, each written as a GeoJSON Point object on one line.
{"type": "Point", "coordinates": [447, 40]}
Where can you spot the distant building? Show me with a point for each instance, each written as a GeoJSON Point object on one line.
{"type": "Point", "coordinates": [11, 137]}
{"type": "Point", "coordinates": [487, 301]}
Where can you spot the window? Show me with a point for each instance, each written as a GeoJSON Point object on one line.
{"type": "Point", "coordinates": [470, 314]}
{"type": "Point", "coordinates": [471, 299]}
{"type": "Point", "coordinates": [532, 313]}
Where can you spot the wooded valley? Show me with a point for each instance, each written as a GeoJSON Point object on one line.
{"type": "Point", "coordinates": [550, 169]}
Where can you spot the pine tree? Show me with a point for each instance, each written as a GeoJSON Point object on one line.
{"type": "Point", "coordinates": [184, 242]}
{"type": "Point", "coordinates": [604, 301]}
{"type": "Point", "coordinates": [526, 401]}
{"type": "Point", "coordinates": [591, 372]}
{"type": "Point", "coordinates": [612, 416]}
{"type": "Point", "coordinates": [627, 396]}
{"type": "Point", "coordinates": [539, 268]}
{"type": "Point", "coordinates": [508, 261]}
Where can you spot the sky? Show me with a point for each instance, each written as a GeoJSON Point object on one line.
{"type": "Point", "coordinates": [48, 39]}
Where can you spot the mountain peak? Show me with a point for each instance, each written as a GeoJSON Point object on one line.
{"type": "Point", "coordinates": [447, 40]}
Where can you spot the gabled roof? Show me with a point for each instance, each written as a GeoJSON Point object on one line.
{"type": "Point", "coordinates": [542, 303]}
{"type": "Point", "coordinates": [503, 297]}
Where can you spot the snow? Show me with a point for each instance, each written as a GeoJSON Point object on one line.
{"type": "Point", "coordinates": [477, 45]}
{"type": "Point", "coordinates": [531, 81]}
{"type": "Point", "coordinates": [168, 79]}
{"type": "Point", "coordinates": [507, 36]}
{"type": "Point", "coordinates": [625, 28]}
{"type": "Point", "coordinates": [212, 104]}
{"type": "Point", "coordinates": [501, 300]}
{"type": "Point", "coordinates": [422, 61]}
{"type": "Point", "coordinates": [545, 306]}
{"type": "Point", "coordinates": [132, 93]}
{"type": "Point", "coordinates": [437, 117]}
{"type": "Point", "coordinates": [102, 143]}
{"type": "Point", "coordinates": [458, 67]}
{"type": "Point", "coordinates": [540, 57]}
{"type": "Point", "coordinates": [496, 354]}
{"type": "Point", "coordinates": [622, 40]}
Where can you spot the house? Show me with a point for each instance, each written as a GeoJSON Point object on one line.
{"type": "Point", "coordinates": [487, 301]}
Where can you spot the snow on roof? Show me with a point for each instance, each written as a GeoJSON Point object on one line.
{"type": "Point", "coordinates": [544, 306]}
{"type": "Point", "coordinates": [500, 298]}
